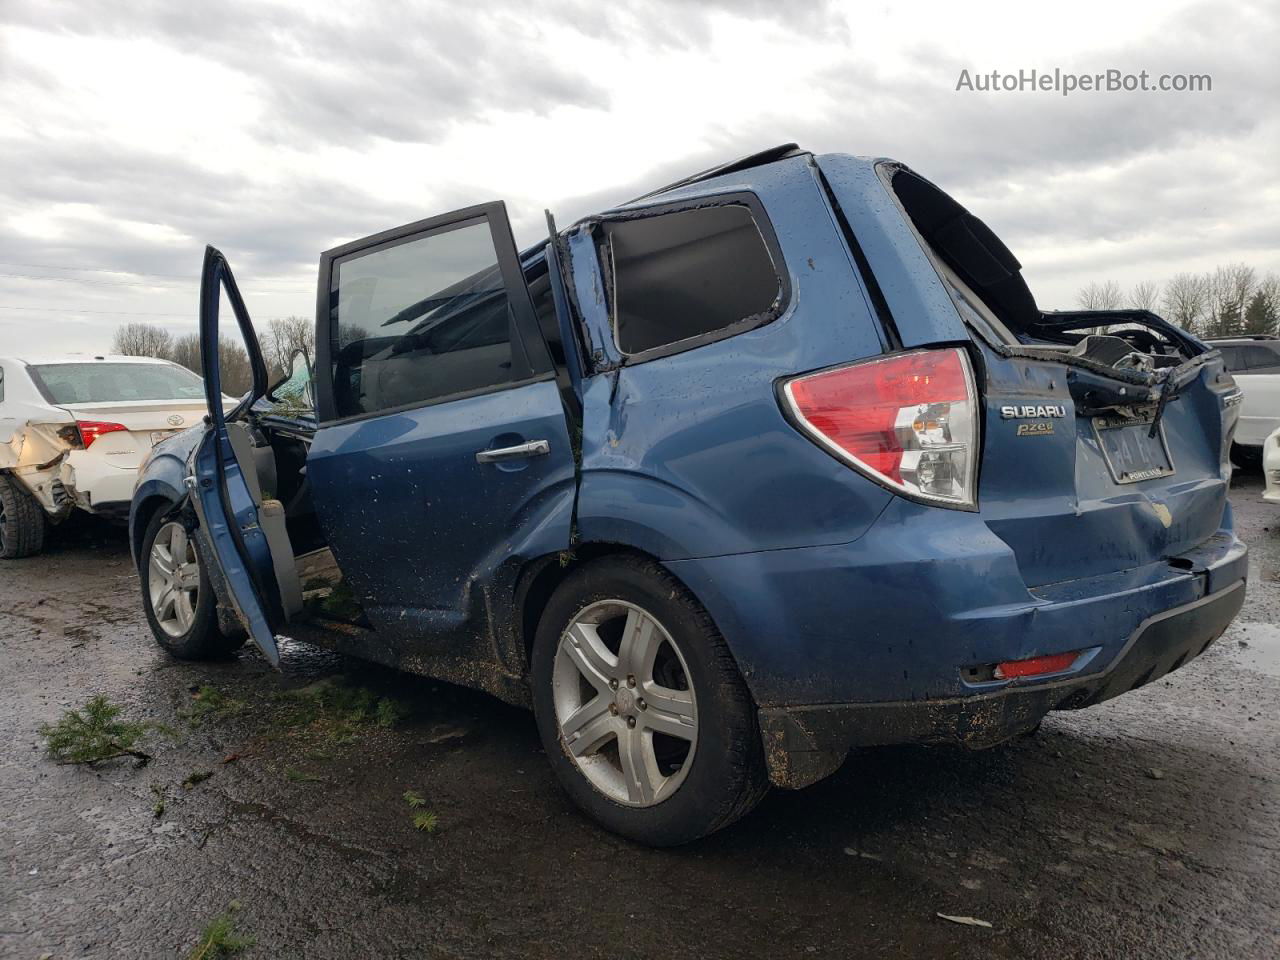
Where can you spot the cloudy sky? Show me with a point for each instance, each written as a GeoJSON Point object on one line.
{"type": "Point", "coordinates": [132, 133]}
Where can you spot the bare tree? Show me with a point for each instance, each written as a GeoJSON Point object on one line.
{"type": "Point", "coordinates": [186, 351]}
{"type": "Point", "coordinates": [234, 371]}
{"type": "Point", "coordinates": [1144, 295]}
{"type": "Point", "coordinates": [1185, 299]}
{"type": "Point", "coordinates": [349, 334]}
{"type": "Point", "coordinates": [1229, 289]}
{"type": "Point", "coordinates": [285, 337]}
{"type": "Point", "coordinates": [142, 340]}
{"type": "Point", "coordinates": [1100, 296]}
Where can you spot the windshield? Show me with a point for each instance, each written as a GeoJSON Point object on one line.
{"type": "Point", "coordinates": [116, 382]}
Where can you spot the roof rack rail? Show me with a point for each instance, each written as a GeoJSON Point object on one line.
{"type": "Point", "coordinates": [1242, 336]}
{"type": "Point", "coordinates": [780, 152]}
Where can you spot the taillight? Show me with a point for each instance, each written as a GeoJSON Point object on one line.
{"type": "Point", "coordinates": [91, 430]}
{"type": "Point", "coordinates": [909, 421]}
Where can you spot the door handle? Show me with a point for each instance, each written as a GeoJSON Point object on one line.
{"type": "Point", "coordinates": [534, 448]}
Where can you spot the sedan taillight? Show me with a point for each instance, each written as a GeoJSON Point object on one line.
{"type": "Point", "coordinates": [908, 421]}
{"type": "Point", "coordinates": [91, 430]}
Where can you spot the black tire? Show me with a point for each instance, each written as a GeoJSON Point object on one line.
{"type": "Point", "coordinates": [1247, 459]}
{"type": "Point", "coordinates": [22, 522]}
{"type": "Point", "coordinates": [203, 640]}
{"type": "Point", "coordinates": [728, 776]}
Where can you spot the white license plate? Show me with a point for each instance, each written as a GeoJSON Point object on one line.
{"type": "Point", "coordinates": [158, 435]}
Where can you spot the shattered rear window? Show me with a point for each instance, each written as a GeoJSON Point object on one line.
{"type": "Point", "coordinates": [115, 382]}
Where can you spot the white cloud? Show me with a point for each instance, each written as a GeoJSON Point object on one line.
{"type": "Point", "coordinates": [132, 134]}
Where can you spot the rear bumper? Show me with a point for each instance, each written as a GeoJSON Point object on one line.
{"type": "Point", "coordinates": [805, 743]}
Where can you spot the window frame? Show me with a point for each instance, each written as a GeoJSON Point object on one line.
{"type": "Point", "coordinates": [764, 226]}
{"type": "Point", "coordinates": [530, 356]}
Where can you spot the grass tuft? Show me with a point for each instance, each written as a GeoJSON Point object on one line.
{"type": "Point", "coordinates": [414, 800]}
{"type": "Point", "coordinates": [426, 820]}
{"type": "Point", "coordinates": [294, 775]}
{"type": "Point", "coordinates": [196, 776]}
{"type": "Point", "coordinates": [207, 702]}
{"type": "Point", "coordinates": [93, 734]}
{"type": "Point", "coordinates": [220, 938]}
{"type": "Point", "coordinates": [338, 711]}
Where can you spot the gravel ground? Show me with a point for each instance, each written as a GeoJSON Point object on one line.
{"type": "Point", "coordinates": [1145, 827]}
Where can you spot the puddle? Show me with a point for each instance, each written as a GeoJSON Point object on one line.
{"type": "Point", "coordinates": [1262, 647]}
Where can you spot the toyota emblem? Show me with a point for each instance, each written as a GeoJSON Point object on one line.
{"type": "Point", "coordinates": [176, 421]}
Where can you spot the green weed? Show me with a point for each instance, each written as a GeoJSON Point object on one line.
{"type": "Point", "coordinates": [220, 938]}
{"type": "Point", "coordinates": [93, 734]}
{"type": "Point", "coordinates": [208, 702]}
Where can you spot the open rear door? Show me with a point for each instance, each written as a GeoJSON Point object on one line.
{"type": "Point", "coordinates": [247, 531]}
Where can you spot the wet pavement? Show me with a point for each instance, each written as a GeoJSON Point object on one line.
{"type": "Point", "coordinates": [1146, 827]}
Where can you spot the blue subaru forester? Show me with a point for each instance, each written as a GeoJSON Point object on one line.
{"type": "Point", "coordinates": [777, 461]}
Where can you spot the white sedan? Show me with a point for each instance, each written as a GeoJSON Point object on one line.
{"type": "Point", "coordinates": [73, 430]}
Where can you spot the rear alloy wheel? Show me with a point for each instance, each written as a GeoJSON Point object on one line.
{"type": "Point", "coordinates": [643, 715]}
{"type": "Point", "coordinates": [627, 715]}
{"type": "Point", "coordinates": [22, 523]}
{"type": "Point", "coordinates": [176, 594]}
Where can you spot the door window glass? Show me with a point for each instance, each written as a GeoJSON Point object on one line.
{"type": "Point", "coordinates": [420, 319]}
{"type": "Point", "coordinates": [688, 274]}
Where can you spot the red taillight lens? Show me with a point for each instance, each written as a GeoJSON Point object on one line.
{"type": "Point", "coordinates": [1036, 666]}
{"type": "Point", "coordinates": [91, 430]}
{"type": "Point", "coordinates": [909, 421]}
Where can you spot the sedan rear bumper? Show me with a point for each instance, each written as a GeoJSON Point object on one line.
{"type": "Point", "coordinates": [805, 743]}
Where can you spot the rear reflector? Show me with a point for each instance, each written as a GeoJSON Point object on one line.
{"type": "Point", "coordinates": [1036, 666]}
{"type": "Point", "coordinates": [91, 430]}
{"type": "Point", "coordinates": [908, 421]}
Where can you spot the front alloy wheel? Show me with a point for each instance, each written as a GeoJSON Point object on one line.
{"type": "Point", "coordinates": [173, 579]}
{"type": "Point", "coordinates": [176, 593]}
{"type": "Point", "coordinates": [622, 698]}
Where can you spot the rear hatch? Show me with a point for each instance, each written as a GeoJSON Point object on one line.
{"type": "Point", "coordinates": [1104, 435]}
{"type": "Point", "coordinates": [1077, 483]}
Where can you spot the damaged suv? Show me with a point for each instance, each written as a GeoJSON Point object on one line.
{"type": "Point", "coordinates": [775, 462]}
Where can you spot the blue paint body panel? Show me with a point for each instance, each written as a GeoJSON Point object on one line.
{"type": "Point", "coordinates": [689, 455]}
{"type": "Point", "coordinates": [419, 527]}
